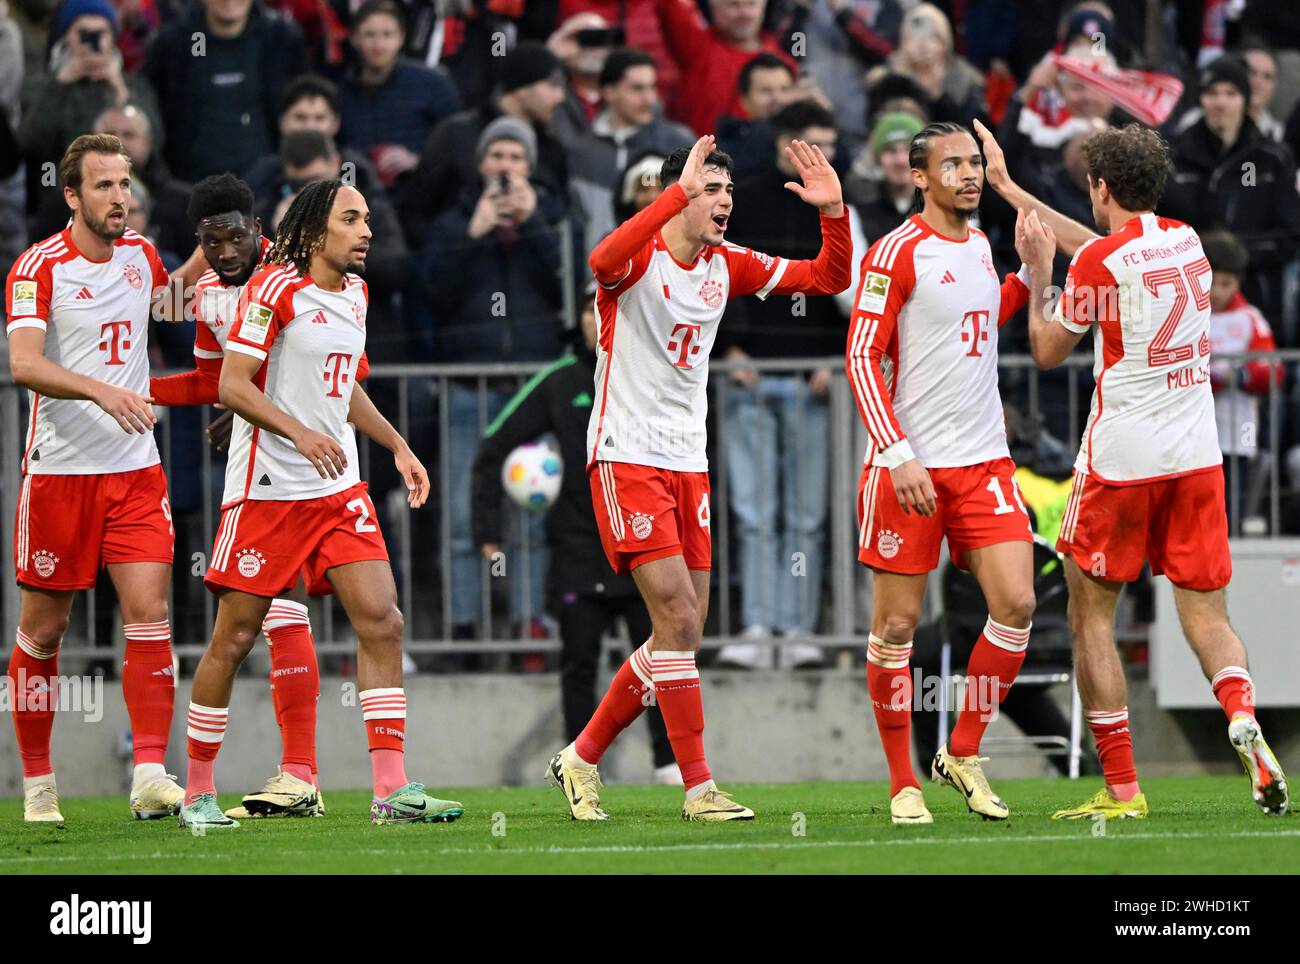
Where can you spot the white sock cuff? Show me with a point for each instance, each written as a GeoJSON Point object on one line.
{"type": "Point", "coordinates": [1007, 637]}
{"type": "Point", "coordinates": [1230, 672]}
{"type": "Point", "coordinates": [1107, 717]}
{"type": "Point", "coordinates": [284, 612]}
{"type": "Point", "coordinates": [667, 666]}
{"type": "Point", "coordinates": [888, 655]}
{"type": "Point", "coordinates": [207, 724]}
{"type": "Point", "coordinates": [161, 630]}
{"type": "Point", "coordinates": [33, 648]}
{"type": "Point", "coordinates": [383, 703]}
{"type": "Point", "coordinates": [642, 664]}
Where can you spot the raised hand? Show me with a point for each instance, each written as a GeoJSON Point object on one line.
{"type": "Point", "coordinates": [821, 185]}
{"type": "Point", "coordinates": [1035, 241]}
{"type": "Point", "coordinates": [692, 179]}
{"type": "Point", "coordinates": [995, 162]}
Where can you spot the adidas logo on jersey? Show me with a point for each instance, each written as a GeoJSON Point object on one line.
{"type": "Point", "coordinates": [319, 318]}
{"type": "Point", "coordinates": [947, 278]}
{"type": "Point", "coordinates": [84, 294]}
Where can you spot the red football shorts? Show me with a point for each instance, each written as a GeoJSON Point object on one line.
{"type": "Point", "coordinates": [976, 506]}
{"type": "Point", "coordinates": [645, 514]}
{"type": "Point", "coordinates": [263, 546]}
{"type": "Point", "coordinates": [1180, 525]}
{"type": "Point", "coordinates": [68, 526]}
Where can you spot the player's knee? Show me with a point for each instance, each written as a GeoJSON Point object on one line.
{"type": "Point", "coordinates": [383, 627]}
{"type": "Point", "coordinates": [682, 619]}
{"type": "Point", "coordinates": [234, 644]}
{"type": "Point", "coordinates": [46, 633]}
{"type": "Point", "coordinates": [900, 626]}
{"type": "Point", "coordinates": [1016, 612]}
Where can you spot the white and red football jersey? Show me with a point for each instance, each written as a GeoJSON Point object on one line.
{"type": "Point", "coordinates": [1237, 385]}
{"type": "Point", "coordinates": [922, 353]}
{"type": "Point", "coordinates": [312, 342]}
{"type": "Point", "coordinates": [1146, 289]}
{"type": "Point", "coordinates": [95, 315]}
{"type": "Point", "coordinates": [657, 321]}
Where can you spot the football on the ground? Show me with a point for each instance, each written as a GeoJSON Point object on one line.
{"type": "Point", "coordinates": [531, 476]}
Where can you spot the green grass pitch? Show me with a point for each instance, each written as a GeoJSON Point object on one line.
{"type": "Point", "coordinates": [1197, 825]}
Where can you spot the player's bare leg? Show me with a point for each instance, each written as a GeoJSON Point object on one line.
{"type": "Point", "coordinates": [148, 683]}
{"type": "Point", "coordinates": [294, 790]}
{"type": "Point", "coordinates": [369, 597]}
{"type": "Point", "coordinates": [1204, 618]}
{"type": "Point", "coordinates": [1005, 573]}
{"type": "Point", "coordinates": [239, 620]}
{"type": "Point", "coordinates": [1102, 690]}
{"type": "Point", "coordinates": [33, 691]}
{"type": "Point", "coordinates": [895, 610]}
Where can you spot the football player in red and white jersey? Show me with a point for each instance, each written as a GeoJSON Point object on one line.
{"type": "Point", "coordinates": [665, 277]}
{"type": "Point", "coordinates": [1148, 481]}
{"type": "Point", "coordinates": [93, 491]}
{"type": "Point", "coordinates": [294, 505]}
{"type": "Point", "coordinates": [230, 237]}
{"type": "Point", "coordinates": [922, 358]}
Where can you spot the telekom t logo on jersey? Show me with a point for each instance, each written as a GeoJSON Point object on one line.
{"type": "Point", "coordinates": [116, 337]}
{"type": "Point", "coordinates": [336, 365]}
{"type": "Point", "coordinates": [978, 321]}
{"type": "Point", "coordinates": [683, 346]}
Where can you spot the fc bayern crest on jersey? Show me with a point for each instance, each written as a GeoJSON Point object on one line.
{"type": "Point", "coordinates": [132, 275]}
{"type": "Point", "coordinates": [642, 525]}
{"type": "Point", "coordinates": [988, 266]}
{"type": "Point", "coordinates": [711, 294]}
{"type": "Point", "coordinates": [888, 542]}
{"type": "Point", "coordinates": [250, 562]}
{"type": "Point", "coordinates": [359, 313]}
{"type": "Point", "coordinates": [44, 562]}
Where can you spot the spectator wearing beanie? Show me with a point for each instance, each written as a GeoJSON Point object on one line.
{"type": "Point", "coordinates": [220, 109]}
{"type": "Point", "coordinates": [389, 104]}
{"type": "Point", "coordinates": [879, 184]}
{"type": "Point", "coordinates": [531, 89]}
{"type": "Point", "coordinates": [85, 79]}
{"type": "Point", "coordinates": [1228, 175]}
{"type": "Point", "coordinates": [491, 270]}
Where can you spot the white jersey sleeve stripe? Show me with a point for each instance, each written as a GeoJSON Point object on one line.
{"type": "Point", "coordinates": [206, 353]}
{"type": "Point", "coordinates": [772, 282]}
{"type": "Point", "coordinates": [245, 350]}
{"type": "Point", "coordinates": [869, 389]}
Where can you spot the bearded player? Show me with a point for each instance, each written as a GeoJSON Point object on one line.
{"type": "Point", "coordinates": [665, 277]}
{"type": "Point", "coordinates": [230, 239]}
{"type": "Point", "coordinates": [922, 358]}
{"type": "Point", "coordinates": [294, 504]}
{"type": "Point", "coordinates": [1148, 480]}
{"type": "Point", "coordinates": [93, 491]}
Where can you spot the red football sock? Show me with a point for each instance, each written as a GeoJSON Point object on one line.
{"type": "Point", "coordinates": [994, 664]}
{"type": "Point", "coordinates": [33, 693]}
{"type": "Point", "coordinates": [631, 691]}
{"type": "Point", "coordinates": [149, 688]}
{"type": "Point", "coordinates": [1235, 691]}
{"type": "Point", "coordinates": [384, 713]}
{"type": "Point", "coordinates": [206, 729]}
{"type": "Point", "coordinates": [1115, 748]}
{"type": "Point", "coordinates": [295, 684]}
{"type": "Point", "coordinates": [677, 691]}
{"type": "Point", "coordinates": [889, 684]}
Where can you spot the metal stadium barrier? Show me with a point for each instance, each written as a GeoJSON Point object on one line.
{"type": "Point", "coordinates": [439, 407]}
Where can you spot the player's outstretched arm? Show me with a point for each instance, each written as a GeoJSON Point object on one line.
{"type": "Point", "coordinates": [371, 422]}
{"type": "Point", "coordinates": [239, 394]}
{"type": "Point", "coordinates": [611, 260]}
{"type": "Point", "coordinates": [31, 369]}
{"type": "Point", "coordinates": [1070, 234]}
{"type": "Point", "coordinates": [821, 185]}
{"type": "Point", "coordinates": [1049, 341]}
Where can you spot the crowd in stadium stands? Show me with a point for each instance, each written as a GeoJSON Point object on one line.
{"type": "Point", "coordinates": [497, 141]}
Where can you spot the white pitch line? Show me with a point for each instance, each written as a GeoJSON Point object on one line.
{"type": "Point", "coordinates": [672, 848]}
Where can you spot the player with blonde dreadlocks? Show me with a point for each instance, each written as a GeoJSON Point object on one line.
{"type": "Point", "coordinates": [294, 502]}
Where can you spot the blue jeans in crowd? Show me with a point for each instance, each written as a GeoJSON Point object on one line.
{"type": "Point", "coordinates": [465, 427]}
{"type": "Point", "coordinates": [778, 450]}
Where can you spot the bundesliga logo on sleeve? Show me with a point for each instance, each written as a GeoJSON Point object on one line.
{"type": "Point", "coordinates": [875, 291]}
{"type": "Point", "coordinates": [24, 298]}
{"type": "Point", "coordinates": [257, 322]}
